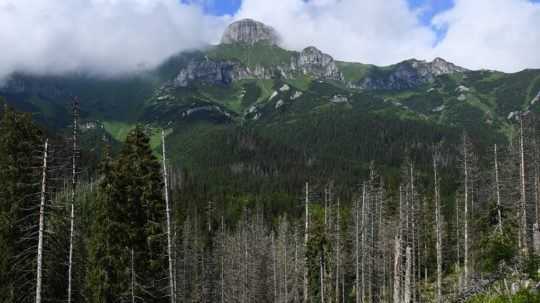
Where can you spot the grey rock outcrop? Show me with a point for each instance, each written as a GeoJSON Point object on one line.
{"type": "Point", "coordinates": [207, 71]}
{"type": "Point", "coordinates": [217, 72]}
{"type": "Point", "coordinates": [312, 61]}
{"type": "Point", "coordinates": [408, 74]}
{"type": "Point", "coordinates": [249, 31]}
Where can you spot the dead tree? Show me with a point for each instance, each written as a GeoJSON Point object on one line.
{"type": "Point", "coordinates": [438, 227]}
{"type": "Point", "coordinates": [172, 290]}
{"type": "Point", "coordinates": [397, 269]}
{"type": "Point", "coordinates": [359, 287]}
{"type": "Point", "coordinates": [75, 151]}
{"type": "Point", "coordinates": [132, 271]}
{"type": "Point", "coordinates": [408, 265]}
{"type": "Point", "coordinates": [39, 269]}
{"type": "Point", "coordinates": [523, 201]}
{"type": "Point", "coordinates": [497, 189]}
{"type": "Point", "coordinates": [338, 252]}
{"type": "Point", "coordinates": [466, 180]}
{"type": "Point", "coordinates": [306, 239]}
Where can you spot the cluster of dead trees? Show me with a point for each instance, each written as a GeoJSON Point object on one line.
{"type": "Point", "coordinates": [414, 240]}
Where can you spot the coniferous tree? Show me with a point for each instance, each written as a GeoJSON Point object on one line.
{"type": "Point", "coordinates": [19, 182]}
{"type": "Point", "coordinates": [131, 203]}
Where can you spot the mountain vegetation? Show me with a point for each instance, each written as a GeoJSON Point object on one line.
{"type": "Point", "coordinates": [245, 172]}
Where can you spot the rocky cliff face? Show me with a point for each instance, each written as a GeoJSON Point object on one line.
{"type": "Point", "coordinates": [311, 61]}
{"type": "Point", "coordinates": [407, 74]}
{"type": "Point", "coordinates": [250, 32]}
{"type": "Point", "coordinates": [218, 73]}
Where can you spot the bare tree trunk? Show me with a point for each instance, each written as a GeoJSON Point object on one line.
{"type": "Point", "coordinates": [296, 299]}
{"type": "Point", "coordinates": [274, 267]}
{"type": "Point", "coordinates": [132, 276]}
{"type": "Point", "coordinates": [363, 242]}
{"type": "Point", "coordinates": [285, 262]}
{"type": "Point", "coordinates": [306, 239]}
{"type": "Point", "coordinates": [338, 252]}
{"type": "Point", "coordinates": [408, 265]}
{"type": "Point", "coordinates": [73, 189]}
{"type": "Point", "coordinates": [321, 269]}
{"type": "Point", "coordinates": [466, 212]}
{"type": "Point", "coordinates": [523, 225]}
{"type": "Point", "coordinates": [41, 223]}
{"type": "Point", "coordinates": [222, 259]}
{"type": "Point", "coordinates": [172, 290]}
{"type": "Point", "coordinates": [357, 245]}
{"type": "Point", "coordinates": [413, 237]}
{"type": "Point", "coordinates": [438, 224]}
{"type": "Point", "coordinates": [498, 190]}
{"type": "Point", "coordinates": [397, 270]}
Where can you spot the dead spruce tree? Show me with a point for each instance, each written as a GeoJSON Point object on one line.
{"type": "Point", "coordinates": [39, 269]}
{"type": "Point", "coordinates": [523, 239]}
{"type": "Point", "coordinates": [438, 228]}
{"type": "Point", "coordinates": [467, 163]}
{"type": "Point", "coordinates": [306, 240]}
{"type": "Point", "coordinates": [74, 181]}
{"type": "Point", "coordinates": [172, 291]}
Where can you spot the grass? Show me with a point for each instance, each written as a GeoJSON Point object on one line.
{"type": "Point", "coordinates": [252, 55]}
{"type": "Point", "coordinates": [353, 72]}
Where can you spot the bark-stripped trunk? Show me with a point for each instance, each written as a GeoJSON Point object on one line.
{"type": "Point", "coordinates": [466, 212]}
{"type": "Point", "coordinates": [222, 259]}
{"type": "Point", "coordinates": [438, 224]}
{"type": "Point", "coordinates": [408, 268]}
{"type": "Point", "coordinates": [73, 189]}
{"type": "Point", "coordinates": [397, 270]}
{"type": "Point", "coordinates": [306, 239]}
{"type": "Point", "coordinates": [497, 189]}
{"type": "Point", "coordinates": [132, 276]}
{"type": "Point", "coordinates": [296, 297]}
{"type": "Point", "coordinates": [285, 271]}
{"type": "Point", "coordinates": [41, 223]}
{"type": "Point", "coordinates": [413, 236]}
{"type": "Point", "coordinates": [274, 266]}
{"type": "Point", "coordinates": [523, 215]}
{"type": "Point", "coordinates": [338, 266]}
{"type": "Point", "coordinates": [172, 289]}
{"type": "Point", "coordinates": [321, 273]}
{"type": "Point", "coordinates": [357, 246]}
{"type": "Point", "coordinates": [363, 243]}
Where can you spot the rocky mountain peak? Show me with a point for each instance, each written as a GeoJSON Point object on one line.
{"type": "Point", "coordinates": [313, 61]}
{"type": "Point", "coordinates": [410, 74]}
{"type": "Point", "coordinates": [250, 32]}
{"type": "Point", "coordinates": [440, 66]}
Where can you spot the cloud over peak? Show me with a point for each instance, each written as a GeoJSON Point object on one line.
{"type": "Point", "coordinates": [111, 37]}
{"type": "Point", "coordinates": [102, 36]}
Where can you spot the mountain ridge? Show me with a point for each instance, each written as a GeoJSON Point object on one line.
{"type": "Point", "coordinates": [255, 83]}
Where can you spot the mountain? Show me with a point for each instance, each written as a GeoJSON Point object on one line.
{"type": "Point", "coordinates": [250, 107]}
{"type": "Point", "coordinates": [249, 31]}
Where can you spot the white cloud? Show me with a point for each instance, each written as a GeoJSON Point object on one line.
{"type": "Point", "coordinates": [494, 34]}
{"type": "Point", "coordinates": [103, 36]}
{"type": "Point", "coordinates": [112, 37]}
{"type": "Point", "coordinates": [378, 32]}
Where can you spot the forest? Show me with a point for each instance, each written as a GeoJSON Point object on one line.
{"type": "Point", "coordinates": [453, 223]}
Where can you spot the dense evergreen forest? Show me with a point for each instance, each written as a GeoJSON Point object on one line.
{"type": "Point", "coordinates": [451, 221]}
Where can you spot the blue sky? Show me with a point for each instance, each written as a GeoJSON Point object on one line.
{"type": "Point", "coordinates": [431, 7]}
{"type": "Point", "coordinates": [428, 8]}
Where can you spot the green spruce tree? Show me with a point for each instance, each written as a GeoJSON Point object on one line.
{"type": "Point", "coordinates": [19, 139]}
{"type": "Point", "coordinates": [128, 242]}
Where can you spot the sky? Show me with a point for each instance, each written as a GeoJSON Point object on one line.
{"type": "Point", "coordinates": [115, 37]}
